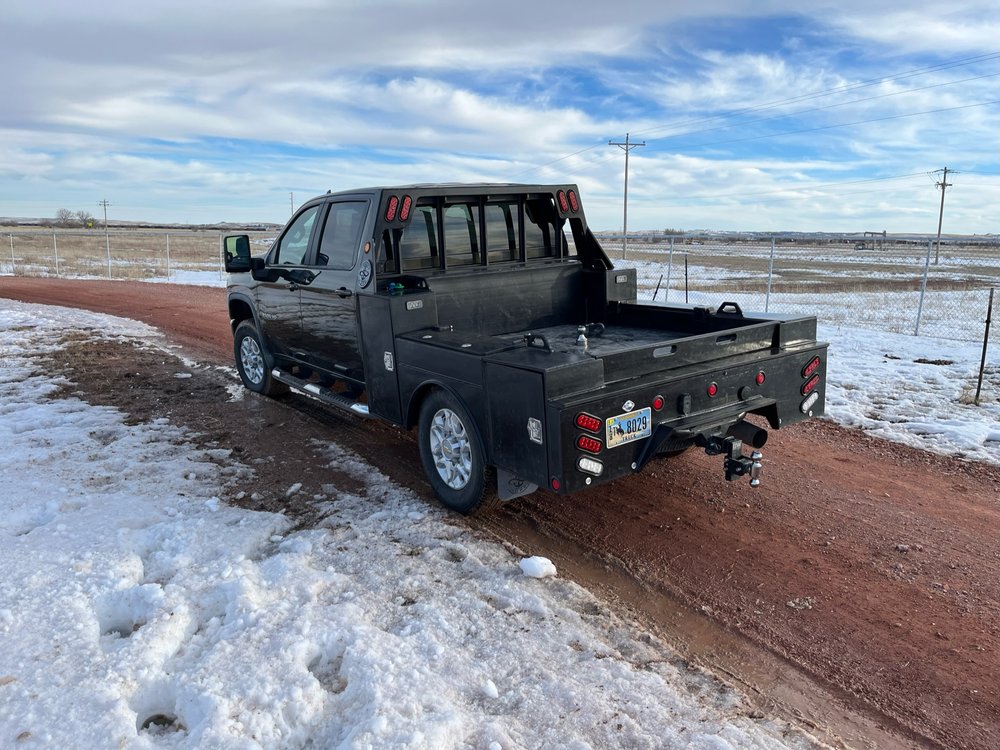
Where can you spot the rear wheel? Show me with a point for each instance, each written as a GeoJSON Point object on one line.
{"type": "Point", "coordinates": [453, 456]}
{"type": "Point", "coordinates": [251, 362]}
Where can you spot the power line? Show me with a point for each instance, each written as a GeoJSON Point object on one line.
{"type": "Point", "coordinates": [843, 124]}
{"type": "Point", "coordinates": [829, 106]}
{"type": "Point", "coordinates": [836, 90]}
{"type": "Point", "coordinates": [791, 100]}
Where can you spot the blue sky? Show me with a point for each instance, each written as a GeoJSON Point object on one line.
{"type": "Point", "coordinates": [755, 116]}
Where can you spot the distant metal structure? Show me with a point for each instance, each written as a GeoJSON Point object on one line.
{"type": "Point", "coordinates": [626, 147]}
{"type": "Point", "coordinates": [107, 239]}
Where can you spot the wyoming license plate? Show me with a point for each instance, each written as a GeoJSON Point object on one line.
{"type": "Point", "coordinates": [626, 428]}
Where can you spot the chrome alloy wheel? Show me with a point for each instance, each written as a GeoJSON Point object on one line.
{"type": "Point", "coordinates": [451, 449]}
{"type": "Point", "coordinates": [252, 360]}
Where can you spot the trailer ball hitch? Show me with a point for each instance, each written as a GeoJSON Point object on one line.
{"type": "Point", "coordinates": [735, 464]}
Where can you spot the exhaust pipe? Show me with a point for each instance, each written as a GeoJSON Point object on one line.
{"type": "Point", "coordinates": [750, 434]}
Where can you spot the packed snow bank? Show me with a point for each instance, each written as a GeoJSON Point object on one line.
{"type": "Point", "coordinates": [137, 610]}
{"type": "Point", "coordinates": [915, 390]}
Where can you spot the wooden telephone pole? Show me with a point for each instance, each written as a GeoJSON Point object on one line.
{"type": "Point", "coordinates": [944, 185]}
{"type": "Point", "coordinates": [626, 147]}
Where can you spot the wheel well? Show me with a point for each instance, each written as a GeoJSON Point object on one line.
{"type": "Point", "coordinates": [239, 311]}
{"type": "Point", "coordinates": [416, 401]}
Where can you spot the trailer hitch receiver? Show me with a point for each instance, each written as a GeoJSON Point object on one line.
{"type": "Point", "coordinates": [735, 464]}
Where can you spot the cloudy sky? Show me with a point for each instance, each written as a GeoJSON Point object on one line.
{"type": "Point", "coordinates": [771, 115]}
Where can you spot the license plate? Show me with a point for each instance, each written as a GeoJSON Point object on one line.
{"type": "Point", "coordinates": [625, 428]}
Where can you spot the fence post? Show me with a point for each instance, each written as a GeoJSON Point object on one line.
{"type": "Point", "coordinates": [107, 240]}
{"type": "Point", "coordinates": [222, 263]}
{"type": "Point", "coordinates": [923, 289]}
{"type": "Point", "coordinates": [55, 248]}
{"type": "Point", "coordinates": [12, 255]}
{"type": "Point", "coordinates": [770, 273]}
{"type": "Point", "coordinates": [986, 339]}
{"type": "Point", "coordinates": [168, 256]}
{"type": "Point", "coordinates": [685, 278]}
{"type": "Point", "coordinates": [670, 267]}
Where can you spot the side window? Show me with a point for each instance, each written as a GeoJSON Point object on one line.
{"type": "Point", "coordinates": [502, 231]}
{"type": "Point", "coordinates": [293, 244]}
{"type": "Point", "coordinates": [461, 234]}
{"type": "Point", "coordinates": [539, 228]}
{"type": "Point", "coordinates": [418, 247]}
{"type": "Point", "coordinates": [341, 235]}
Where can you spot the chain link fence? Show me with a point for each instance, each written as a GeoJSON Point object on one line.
{"type": "Point", "coordinates": [900, 285]}
{"type": "Point", "coordinates": [897, 285]}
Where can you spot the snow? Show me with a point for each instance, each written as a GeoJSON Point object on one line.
{"type": "Point", "coordinates": [138, 610]}
{"type": "Point", "coordinates": [538, 567]}
{"type": "Point", "coordinates": [915, 390]}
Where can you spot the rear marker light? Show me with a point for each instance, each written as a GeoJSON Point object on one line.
{"type": "Point", "coordinates": [810, 368]}
{"type": "Point", "coordinates": [404, 210]}
{"type": "Point", "coordinates": [658, 403]}
{"type": "Point", "coordinates": [808, 403]}
{"type": "Point", "coordinates": [590, 466]}
{"type": "Point", "coordinates": [760, 378]}
{"type": "Point", "coordinates": [554, 484]}
{"type": "Point", "coordinates": [589, 444]}
{"type": "Point", "coordinates": [587, 422]}
{"type": "Point", "coordinates": [713, 389]}
{"type": "Point", "coordinates": [390, 209]}
{"type": "Point", "coordinates": [563, 203]}
{"type": "Point", "coordinates": [810, 385]}
{"type": "Point", "coordinates": [574, 201]}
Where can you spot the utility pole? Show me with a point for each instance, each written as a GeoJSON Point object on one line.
{"type": "Point", "coordinates": [626, 147]}
{"type": "Point", "coordinates": [944, 185]}
{"type": "Point", "coordinates": [107, 239]}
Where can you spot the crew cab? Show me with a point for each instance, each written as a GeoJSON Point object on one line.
{"type": "Point", "coordinates": [489, 318]}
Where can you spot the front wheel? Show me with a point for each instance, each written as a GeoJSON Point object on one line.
{"type": "Point", "coordinates": [453, 456]}
{"type": "Point", "coordinates": [251, 362]}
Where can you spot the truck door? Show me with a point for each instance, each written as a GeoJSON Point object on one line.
{"type": "Point", "coordinates": [278, 296]}
{"type": "Point", "coordinates": [329, 301]}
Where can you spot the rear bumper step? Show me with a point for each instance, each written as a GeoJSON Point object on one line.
{"type": "Point", "coordinates": [321, 394]}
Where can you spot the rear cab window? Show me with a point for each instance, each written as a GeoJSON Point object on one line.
{"type": "Point", "coordinates": [476, 231]}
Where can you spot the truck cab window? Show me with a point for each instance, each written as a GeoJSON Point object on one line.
{"type": "Point", "coordinates": [502, 229]}
{"type": "Point", "coordinates": [539, 228]}
{"type": "Point", "coordinates": [461, 234]}
{"type": "Point", "coordinates": [338, 246]}
{"type": "Point", "coordinates": [418, 247]}
{"type": "Point", "coordinates": [293, 243]}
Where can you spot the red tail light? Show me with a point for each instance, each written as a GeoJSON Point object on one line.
{"type": "Point", "coordinates": [713, 389]}
{"type": "Point", "coordinates": [587, 422]}
{"type": "Point", "coordinates": [563, 203]}
{"type": "Point", "coordinates": [810, 385]}
{"type": "Point", "coordinates": [574, 202]}
{"type": "Point", "coordinates": [390, 209]}
{"type": "Point", "coordinates": [760, 378]}
{"type": "Point", "coordinates": [404, 209]}
{"type": "Point", "coordinates": [810, 368]}
{"type": "Point", "coordinates": [658, 403]}
{"type": "Point", "coordinates": [554, 483]}
{"type": "Point", "coordinates": [589, 444]}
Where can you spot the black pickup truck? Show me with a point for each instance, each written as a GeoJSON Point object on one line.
{"type": "Point", "coordinates": [489, 317]}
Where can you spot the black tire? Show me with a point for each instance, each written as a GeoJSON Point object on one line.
{"type": "Point", "coordinates": [252, 361]}
{"type": "Point", "coordinates": [453, 456]}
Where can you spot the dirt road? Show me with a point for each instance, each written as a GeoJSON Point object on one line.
{"type": "Point", "coordinates": [856, 589]}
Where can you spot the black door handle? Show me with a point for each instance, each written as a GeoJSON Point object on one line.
{"type": "Point", "coordinates": [344, 292]}
{"type": "Point", "coordinates": [293, 287]}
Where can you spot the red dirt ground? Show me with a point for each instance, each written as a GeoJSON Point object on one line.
{"type": "Point", "coordinates": [858, 588]}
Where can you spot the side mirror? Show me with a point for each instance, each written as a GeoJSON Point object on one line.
{"type": "Point", "coordinates": [236, 253]}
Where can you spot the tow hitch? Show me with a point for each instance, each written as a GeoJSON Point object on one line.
{"type": "Point", "coordinates": [735, 463]}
